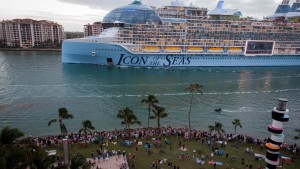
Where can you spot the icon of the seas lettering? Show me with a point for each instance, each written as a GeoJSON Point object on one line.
{"type": "Point", "coordinates": [177, 61]}
{"type": "Point", "coordinates": [168, 60]}
{"type": "Point", "coordinates": [132, 60]}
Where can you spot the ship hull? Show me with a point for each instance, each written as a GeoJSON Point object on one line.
{"type": "Point", "coordinates": [116, 55]}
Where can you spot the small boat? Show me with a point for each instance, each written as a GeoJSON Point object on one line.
{"type": "Point", "coordinates": [194, 50]}
{"type": "Point", "coordinates": [218, 110]}
{"type": "Point", "coordinates": [235, 50]}
{"type": "Point", "coordinates": [215, 50]}
{"type": "Point", "coordinates": [172, 49]}
{"type": "Point", "coordinates": [151, 49]}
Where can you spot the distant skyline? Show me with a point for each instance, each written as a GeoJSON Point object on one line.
{"type": "Point", "coordinates": [73, 14]}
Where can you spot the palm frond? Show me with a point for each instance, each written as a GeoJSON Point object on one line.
{"type": "Point", "coordinates": [152, 117]}
{"type": "Point", "coordinates": [9, 135]}
{"type": "Point", "coordinates": [138, 122]}
{"type": "Point", "coordinates": [143, 101]}
{"type": "Point", "coordinates": [211, 128]}
{"type": "Point", "coordinates": [64, 114]}
{"type": "Point", "coordinates": [52, 121]}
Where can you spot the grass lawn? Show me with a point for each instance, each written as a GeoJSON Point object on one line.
{"type": "Point", "coordinates": [143, 159]}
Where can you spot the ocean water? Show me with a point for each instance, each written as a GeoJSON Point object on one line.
{"type": "Point", "coordinates": [35, 84]}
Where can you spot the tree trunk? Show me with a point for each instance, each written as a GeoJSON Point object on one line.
{"type": "Point", "coordinates": [60, 125]}
{"type": "Point", "coordinates": [149, 115]}
{"type": "Point", "coordinates": [158, 123]}
{"type": "Point", "coordinates": [190, 111]}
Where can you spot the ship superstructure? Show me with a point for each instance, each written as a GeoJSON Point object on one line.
{"type": "Point", "coordinates": [137, 35]}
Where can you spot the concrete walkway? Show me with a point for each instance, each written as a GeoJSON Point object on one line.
{"type": "Point", "coordinates": [111, 163]}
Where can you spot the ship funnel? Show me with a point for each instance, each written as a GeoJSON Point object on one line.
{"type": "Point", "coordinates": [220, 4]}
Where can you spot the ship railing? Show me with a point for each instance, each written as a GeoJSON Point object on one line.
{"type": "Point", "coordinates": [184, 50]}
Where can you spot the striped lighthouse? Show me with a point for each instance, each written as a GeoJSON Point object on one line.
{"type": "Point", "coordinates": [279, 115]}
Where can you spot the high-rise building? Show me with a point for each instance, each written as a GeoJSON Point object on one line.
{"type": "Point", "coordinates": [93, 29]}
{"type": "Point", "coordinates": [31, 33]}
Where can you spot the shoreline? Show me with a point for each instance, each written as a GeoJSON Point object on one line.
{"type": "Point", "coordinates": [166, 131]}
{"type": "Point", "coordinates": [30, 49]}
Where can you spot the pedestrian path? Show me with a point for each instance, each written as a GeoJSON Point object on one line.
{"type": "Point", "coordinates": [113, 162]}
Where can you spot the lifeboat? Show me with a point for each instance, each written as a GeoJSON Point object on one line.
{"type": "Point", "coordinates": [194, 50]}
{"type": "Point", "coordinates": [151, 49]}
{"type": "Point", "coordinates": [234, 50]}
{"type": "Point", "coordinates": [172, 49]}
{"type": "Point", "coordinates": [215, 50]}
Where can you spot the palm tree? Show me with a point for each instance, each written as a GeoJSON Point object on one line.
{"type": "Point", "coordinates": [298, 136]}
{"type": "Point", "coordinates": [62, 114]}
{"type": "Point", "coordinates": [159, 112]}
{"type": "Point", "coordinates": [236, 123]}
{"type": "Point", "coordinates": [16, 153]}
{"type": "Point", "coordinates": [193, 88]}
{"type": "Point", "coordinates": [217, 128]}
{"type": "Point", "coordinates": [40, 159]}
{"type": "Point", "coordinates": [128, 117]}
{"type": "Point", "coordinates": [78, 161]}
{"type": "Point", "coordinates": [11, 156]}
{"type": "Point", "coordinates": [151, 101]}
{"type": "Point", "coordinates": [87, 127]}
{"type": "Point", "coordinates": [9, 135]}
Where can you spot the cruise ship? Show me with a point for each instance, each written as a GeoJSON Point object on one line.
{"type": "Point", "coordinates": [186, 36]}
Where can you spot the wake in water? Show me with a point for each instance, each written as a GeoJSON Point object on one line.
{"type": "Point", "coordinates": [240, 110]}
{"type": "Point", "coordinates": [160, 94]}
{"type": "Point", "coordinates": [147, 84]}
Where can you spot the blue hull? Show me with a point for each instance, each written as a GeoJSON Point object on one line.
{"type": "Point", "coordinates": [111, 54]}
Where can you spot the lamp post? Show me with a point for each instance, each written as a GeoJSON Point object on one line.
{"type": "Point", "coordinates": [66, 151]}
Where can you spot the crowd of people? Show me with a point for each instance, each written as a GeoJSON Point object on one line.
{"type": "Point", "coordinates": [184, 133]}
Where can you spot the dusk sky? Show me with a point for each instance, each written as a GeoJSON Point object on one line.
{"type": "Point", "coordinates": [73, 14]}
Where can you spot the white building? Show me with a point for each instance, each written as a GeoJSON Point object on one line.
{"type": "Point", "coordinates": [31, 33]}
{"type": "Point", "coordinates": [93, 29]}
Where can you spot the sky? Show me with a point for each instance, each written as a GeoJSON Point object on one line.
{"type": "Point", "coordinates": [73, 14]}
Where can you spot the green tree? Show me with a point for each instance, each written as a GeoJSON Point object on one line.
{"type": "Point", "coordinates": [128, 117]}
{"type": "Point", "coordinates": [217, 128]}
{"type": "Point", "coordinates": [79, 162]}
{"type": "Point", "coordinates": [87, 126]}
{"type": "Point", "coordinates": [21, 153]}
{"type": "Point", "coordinates": [159, 113]}
{"type": "Point", "coordinates": [11, 156]}
{"type": "Point", "coordinates": [9, 135]}
{"type": "Point", "coordinates": [298, 136]}
{"type": "Point", "coordinates": [62, 114]}
{"type": "Point", "coordinates": [151, 101]}
{"type": "Point", "coordinates": [236, 123]}
{"type": "Point", "coordinates": [40, 159]}
{"type": "Point", "coordinates": [193, 88]}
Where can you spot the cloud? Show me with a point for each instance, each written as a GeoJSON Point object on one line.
{"type": "Point", "coordinates": [111, 4]}
{"type": "Point", "coordinates": [73, 14]}
{"type": "Point", "coordinates": [254, 8]}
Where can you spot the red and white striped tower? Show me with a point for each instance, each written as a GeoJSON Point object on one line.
{"type": "Point", "coordinates": [279, 115]}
